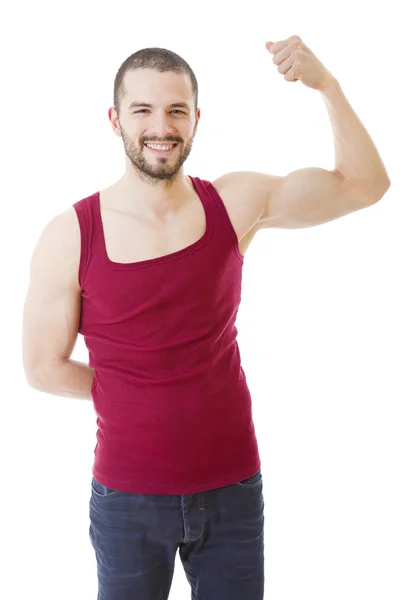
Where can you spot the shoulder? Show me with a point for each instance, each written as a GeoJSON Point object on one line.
{"type": "Point", "coordinates": [63, 240]}
{"type": "Point", "coordinates": [62, 230]}
{"type": "Point", "coordinates": [251, 188]}
{"type": "Point", "coordinates": [66, 225]}
{"type": "Point", "coordinates": [255, 186]}
{"type": "Point", "coordinates": [252, 182]}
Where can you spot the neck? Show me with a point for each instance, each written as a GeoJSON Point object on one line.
{"type": "Point", "coordinates": [160, 200]}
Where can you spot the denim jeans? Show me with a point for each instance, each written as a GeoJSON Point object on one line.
{"type": "Point", "coordinates": [219, 534]}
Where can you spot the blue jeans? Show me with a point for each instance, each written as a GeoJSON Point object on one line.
{"type": "Point", "coordinates": [219, 534]}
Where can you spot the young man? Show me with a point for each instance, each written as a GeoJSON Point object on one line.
{"type": "Point", "coordinates": [149, 272]}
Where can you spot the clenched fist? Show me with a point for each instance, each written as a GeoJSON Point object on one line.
{"type": "Point", "coordinates": [296, 61]}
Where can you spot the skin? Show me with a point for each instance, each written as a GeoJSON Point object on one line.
{"type": "Point", "coordinates": [154, 184]}
{"type": "Point", "coordinates": [153, 209]}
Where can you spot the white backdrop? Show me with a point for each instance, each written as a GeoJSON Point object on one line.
{"type": "Point", "coordinates": [319, 321]}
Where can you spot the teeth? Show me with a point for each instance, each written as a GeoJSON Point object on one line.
{"type": "Point", "coordinates": [159, 147]}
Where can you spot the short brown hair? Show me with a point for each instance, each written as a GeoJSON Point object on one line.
{"type": "Point", "coordinates": [159, 59]}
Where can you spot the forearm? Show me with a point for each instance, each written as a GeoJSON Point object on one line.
{"type": "Point", "coordinates": [356, 156]}
{"type": "Point", "coordinates": [69, 378]}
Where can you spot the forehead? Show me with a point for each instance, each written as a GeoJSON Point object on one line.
{"type": "Point", "coordinates": [149, 85]}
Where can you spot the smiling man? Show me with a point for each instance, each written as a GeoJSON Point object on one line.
{"type": "Point", "coordinates": [149, 272]}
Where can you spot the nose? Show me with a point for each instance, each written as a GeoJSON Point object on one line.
{"type": "Point", "coordinates": [162, 127]}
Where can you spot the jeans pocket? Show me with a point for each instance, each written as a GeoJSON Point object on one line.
{"type": "Point", "coordinates": [102, 490]}
{"type": "Point", "coordinates": [251, 482]}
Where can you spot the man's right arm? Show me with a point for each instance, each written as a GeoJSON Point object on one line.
{"type": "Point", "coordinates": [52, 312]}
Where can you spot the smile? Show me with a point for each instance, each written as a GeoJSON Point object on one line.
{"type": "Point", "coordinates": [159, 148]}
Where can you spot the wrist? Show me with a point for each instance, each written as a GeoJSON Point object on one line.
{"type": "Point", "coordinates": [329, 83]}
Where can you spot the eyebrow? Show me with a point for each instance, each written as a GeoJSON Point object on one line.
{"type": "Point", "coordinates": [175, 104]}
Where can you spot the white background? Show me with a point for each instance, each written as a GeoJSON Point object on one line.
{"type": "Point", "coordinates": [319, 321]}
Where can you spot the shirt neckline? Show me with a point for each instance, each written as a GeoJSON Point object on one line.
{"type": "Point", "coordinates": [203, 195]}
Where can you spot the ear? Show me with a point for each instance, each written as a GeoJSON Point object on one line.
{"type": "Point", "coordinates": [113, 116]}
{"type": "Point", "coordinates": [197, 122]}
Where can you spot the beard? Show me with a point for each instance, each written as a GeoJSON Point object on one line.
{"type": "Point", "coordinates": [153, 169]}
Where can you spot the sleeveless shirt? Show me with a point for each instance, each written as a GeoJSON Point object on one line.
{"type": "Point", "coordinates": [174, 412]}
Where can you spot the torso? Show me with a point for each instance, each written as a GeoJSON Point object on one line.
{"type": "Point", "coordinates": [130, 238]}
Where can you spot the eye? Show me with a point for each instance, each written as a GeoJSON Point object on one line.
{"type": "Point", "coordinates": [145, 109]}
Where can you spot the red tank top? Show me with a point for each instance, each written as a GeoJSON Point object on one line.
{"type": "Point", "coordinates": [174, 413]}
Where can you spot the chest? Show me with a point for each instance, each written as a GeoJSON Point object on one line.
{"type": "Point", "coordinates": [133, 238]}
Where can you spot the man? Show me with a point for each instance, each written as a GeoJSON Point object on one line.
{"type": "Point", "coordinates": [149, 272]}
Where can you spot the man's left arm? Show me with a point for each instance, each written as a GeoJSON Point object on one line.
{"type": "Point", "coordinates": [311, 196]}
{"type": "Point", "coordinates": [356, 157]}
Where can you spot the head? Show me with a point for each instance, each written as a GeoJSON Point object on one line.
{"type": "Point", "coordinates": [155, 79]}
